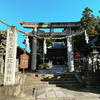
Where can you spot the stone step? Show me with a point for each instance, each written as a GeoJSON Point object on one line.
{"type": "Point", "coordinates": [60, 79]}
{"type": "Point", "coordinates": [39, 74]}
{"type": "Point", "coordinates": [53, 85]}
{"type": "Point", "coordinates": [52, 76]}
{"type": "Point", "coordinates": [54, 82]}
{"type": "Point", "coordinates": [59, 82]}
{"type": "Point", "coordinates": [53, 79]}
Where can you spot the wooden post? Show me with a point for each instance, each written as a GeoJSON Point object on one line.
{"type": "Point", "coordinates": [23, 64]}
{"type": "Point", "coordinates": [23, 80]}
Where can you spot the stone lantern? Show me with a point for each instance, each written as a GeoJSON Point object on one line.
{"type": "Point", "coordinates": [94, 55]}
{"type": "Point", "coordinates": [1, 59]}
{"type": "Point", "coordinates": [94, 49]}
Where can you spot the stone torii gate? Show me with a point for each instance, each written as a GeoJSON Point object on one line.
{"type": "Point", "coordinates": [51, 26]}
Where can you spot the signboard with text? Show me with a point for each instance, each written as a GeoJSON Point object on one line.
{"type": "Point", "coordinates": [24, 60]}
{"type": "Point", "coordinates": [78, 59]}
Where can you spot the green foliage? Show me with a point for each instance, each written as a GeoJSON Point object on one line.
{"type": "Point", "coordinates": [88, 20]}
{"type": "Point", "coordinates": [20, 51]}
{"type": "Point", "coordinates": [39, 57]}
{"type": "Point", "coordinates": [3, 34]}
{"type": "Point", "coordinates": [98, 25]}
{"type": "Point", "coordinates": [43, 65]}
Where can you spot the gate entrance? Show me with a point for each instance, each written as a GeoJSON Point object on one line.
{"type": "Point", "coordinates": [68, 31]}
{"type": "Point", "coordinates": [57, 53]}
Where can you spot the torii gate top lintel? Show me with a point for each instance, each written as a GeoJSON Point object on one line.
{"type": "Point", "coordinates": [50, 24]}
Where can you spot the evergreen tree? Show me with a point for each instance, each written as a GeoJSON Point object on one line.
{"type": "Point", "coordinates": [3, 34]}
{"type": "Point", "coordinates": [98, 25]}
{"type": "Point", "coordinates": [88, 21]}
{"type": "Point", "coordinates": [20, 51]}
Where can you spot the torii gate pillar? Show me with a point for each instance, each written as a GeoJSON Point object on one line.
{"type": "Point", "coordinates": [34, 51]}
{"type": "Point", "coordinates": [70, 51]}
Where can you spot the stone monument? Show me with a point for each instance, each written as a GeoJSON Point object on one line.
{"type": "Point", "coordinates": [10, 58]}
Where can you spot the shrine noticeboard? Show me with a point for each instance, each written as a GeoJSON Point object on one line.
{"type": "Point", "coordinates": [78, 59]}
{"type": "Point", "coordinates": [24, 60]}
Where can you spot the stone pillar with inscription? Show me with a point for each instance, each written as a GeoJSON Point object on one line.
{"type": "Point", "coordinates": [34, 51]}
{"type": "Point", "coordinates": [10, 58]}
{"type": "Point", "coordinates": [70, 51]}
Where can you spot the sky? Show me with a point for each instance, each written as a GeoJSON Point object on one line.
{"type": "Point", "coordinates": [14, 11]}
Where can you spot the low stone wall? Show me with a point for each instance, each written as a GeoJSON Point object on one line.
{"type": "Point", "coordinates": [92, 79]}
{"type": "Point", "coordinates": [18, 77]}
{"type": "Point", "coordinates": [10, 90]}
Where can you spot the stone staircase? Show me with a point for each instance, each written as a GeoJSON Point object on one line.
{"type": "Point", "coordinates": [51, 80]}
{"type": "Point", "coordinates": [57, 69]}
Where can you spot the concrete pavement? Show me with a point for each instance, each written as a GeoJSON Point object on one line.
{"type": "Point", "coordinates": [57, 93]}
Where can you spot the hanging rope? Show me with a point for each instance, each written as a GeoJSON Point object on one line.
{"type": "Point", "coordinates": [4, 23]}
{"type": "Point", "coordinates": [52, 38]}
